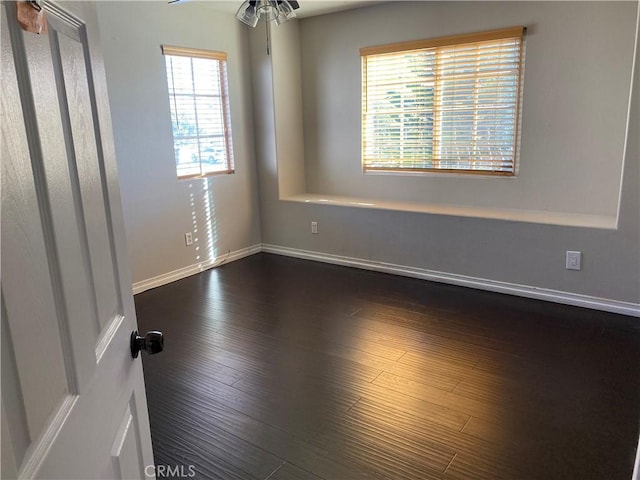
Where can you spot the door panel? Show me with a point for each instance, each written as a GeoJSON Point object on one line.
{"type": "Point", "coordinates": [73, 400]}
{"type": "Point", "coordinates": [89, 174]}
{"type": "Point", "coordinates": [29, 299]}
{"type": "Point", "coordinates": [55, 177]}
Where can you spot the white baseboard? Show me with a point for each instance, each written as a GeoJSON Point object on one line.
{"type": "Point", "coordinates": [158, 281]}
{"type": "Point", "coordinates": [557, 296]}
{"type": "Point", "coordinates": [567, 298]}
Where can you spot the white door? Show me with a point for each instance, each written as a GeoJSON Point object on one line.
{"type": "Point", "coordinates": [73, 399]}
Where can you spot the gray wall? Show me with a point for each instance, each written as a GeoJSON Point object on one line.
{"type": "Point", "coordinates": [507, 251]}
{"type": "Point", "coordinates": [158, 208]}
{"type": "Point", "coordinates": [576, 92]}
{"type": "Point", "coordinates": [246, 210]}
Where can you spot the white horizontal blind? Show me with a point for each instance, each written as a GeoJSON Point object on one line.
{"type": "Point", "coordinates": [197, 81]}
{"type": "Point", "coordinates": [447, 104]}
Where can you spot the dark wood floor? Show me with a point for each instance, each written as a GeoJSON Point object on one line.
{"type": "Point", "coordinates": [277, 368]}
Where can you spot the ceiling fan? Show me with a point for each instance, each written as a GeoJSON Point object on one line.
{"type": "Point", "coordinates": [281, 11]}
{"type": "Point", "coordinates": [252, 11]}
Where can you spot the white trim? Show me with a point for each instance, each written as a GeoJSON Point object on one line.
{"type": "Point", "coordinates": [165, 278]}
{"type": "Point", "coordinates": [557, 296]}
{"type": "Point", "coordinates": [567, 298]}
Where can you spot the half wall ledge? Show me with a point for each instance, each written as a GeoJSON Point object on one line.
{"type": "Point", "coordinates": [565, 219]}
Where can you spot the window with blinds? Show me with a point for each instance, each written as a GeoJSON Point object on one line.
{"type": "Point", "coordinates": [199, 102]}
{"type": "Point", "coordinates": [448, 104]}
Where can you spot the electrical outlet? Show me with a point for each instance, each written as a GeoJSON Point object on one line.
{"type": "Point", "coordinates": [188, 239]}
{"type": "Point", "coordinates": [314, 227]}
{"type": "Point", "coordinates": [573, 260]}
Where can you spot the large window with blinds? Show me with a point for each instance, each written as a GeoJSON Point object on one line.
{"type": "Point", "coordinates": [448, 104]}
{"type": "Point", "coordinates": [199, 102]}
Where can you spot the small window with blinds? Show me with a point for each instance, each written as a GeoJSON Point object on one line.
{"type": "Point", "coordinates": [199, 102]}
{"type": "Point", "coordinates": [448, 104]}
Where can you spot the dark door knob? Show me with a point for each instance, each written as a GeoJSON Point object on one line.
{"type": "Point", "coordinates": [152, 342]}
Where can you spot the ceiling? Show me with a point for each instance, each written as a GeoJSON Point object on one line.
{"type": "Point", "coordinates": [308, 8]}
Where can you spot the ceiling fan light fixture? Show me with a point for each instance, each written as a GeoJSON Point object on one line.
{"type": "Point", "coordinates": [247, 13]}
{"type": "Point", "coordinates": [268, 10]}
{"type": "Point", "coordinates": [252, 11]}
{"type": "Point", "coordinates": [285, 10]}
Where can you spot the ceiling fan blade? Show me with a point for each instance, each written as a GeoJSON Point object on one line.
{"type": "Point", "coordinates": [294, 4]}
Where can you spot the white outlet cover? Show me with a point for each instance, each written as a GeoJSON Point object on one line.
{"type": "Point", "coordinates": [573, 260]}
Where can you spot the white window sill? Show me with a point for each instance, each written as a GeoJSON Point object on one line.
{"type": "Point", "coordinates": [529, 216]}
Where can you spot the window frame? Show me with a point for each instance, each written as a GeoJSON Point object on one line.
{"type": "Point", "coordinates": [223, 84]}
{"type": "Point", "coordinates": [432, 45]}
